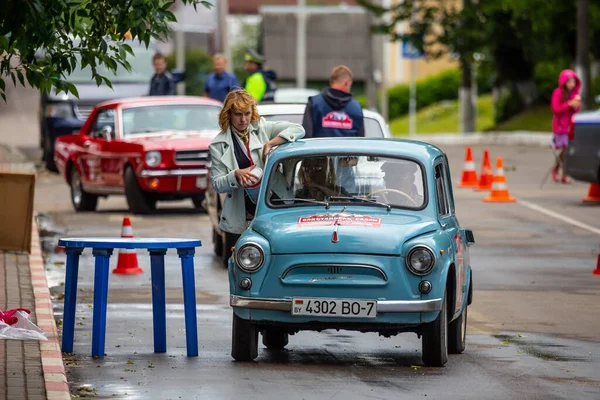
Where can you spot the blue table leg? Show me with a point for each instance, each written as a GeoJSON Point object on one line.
{"type": "Point", "coordinates": [159, 307]}
{"type": "Point", "coordinates": [100, 299]}
{"type": "Point", "coordinates": [70, 305]}
{"type": "Point", "coordinates": [189, 300]}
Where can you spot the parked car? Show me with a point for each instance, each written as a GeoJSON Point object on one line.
{"type": "Point", "coordinates": [64, 114]}
{"type": "Point", "coordinates": [294, 95]}
{"type": "Point", "coordinates": [325, 252]}
{"type": "Point", "coordinates": [582, 159]}
{"type": "Point", "coordinates": [375, 127]}
{"type": "Point", "coordinates": [148, 148]}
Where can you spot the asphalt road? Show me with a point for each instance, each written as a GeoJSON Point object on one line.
{"type": "Point", "coordinates": [533, 331]}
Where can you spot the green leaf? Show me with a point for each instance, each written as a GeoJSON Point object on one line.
{"type": "Point", "coordinates": [3, 96]}
{"type": "Point", "coordinates": [107, 81]}
{"type": "Point", "coordinates": [73, 89]}
{"type": "Point", "coordinates": [20, 76]}
{"type": "Point", "coordinates": [2, 84]}
{"type": "Point", "coordinates": [504, 342]}
{"type": "Point", "coordinates": [12, 76]}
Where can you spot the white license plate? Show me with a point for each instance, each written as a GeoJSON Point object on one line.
{"type": "Point", "coordinates": [326, 307]}
{"type": "Point", "coordinates": [201, 182]}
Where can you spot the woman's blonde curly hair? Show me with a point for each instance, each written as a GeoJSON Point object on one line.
{"type": "Point", "coordinates": [236, 101]}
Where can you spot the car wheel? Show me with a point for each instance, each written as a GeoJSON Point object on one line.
{"type": "Point", "coordinates": [82, 201]}
{"type": "Point", "coordinates": [274, 339]}
{"type": "Point", "coordinates": [217, 243]}
{"type": "Point", "coordinates": [48, 155]}
{"type": "Point", "coordinates": [229, 240]}
{"type": "Point", "coordinates": [244, 340]}
{"type": "Point", "coordinates": [435, 339]}
{"type": "Point", "coordinates": [199, 202]}
{"type": "Point", "coordinates": [137, 200]}
{"type": "Point", "coordinates": [457, 333]}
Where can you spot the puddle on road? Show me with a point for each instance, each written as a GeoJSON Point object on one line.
{"type": "Point", "coordinates": [539, 349]}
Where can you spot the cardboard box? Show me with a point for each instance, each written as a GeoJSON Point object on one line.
{"type": "Point", "coordinates": [16, 210]}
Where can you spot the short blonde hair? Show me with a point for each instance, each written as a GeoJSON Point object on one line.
{"type": "Point", "coordinates": [339, 73]}
{"type": "Point", "coordinates": [237, 100]}
{"type": "Point", "coordinates": [219, 56]}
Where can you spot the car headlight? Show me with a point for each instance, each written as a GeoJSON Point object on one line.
{"type": "Point", "coordinates": [153, 158]}
{"type": "Point", "coordinates": [250, 257]}
{"type": "Point", "coordinates": [420, 260]}
{"type": "Point", "coordinates": [59, 110]}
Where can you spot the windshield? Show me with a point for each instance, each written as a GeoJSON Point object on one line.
{"type": "Point", "coordinates": [141, 69]}
{"type": "Point", "coordinates": [372, 127]}
{"type": "Point", "coordinates": [372, 180]}
{"type": "Point", "coordinates": [180, 117]}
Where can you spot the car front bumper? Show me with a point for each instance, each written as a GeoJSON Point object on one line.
{"type": "Point", "coordinates": [383, 306]}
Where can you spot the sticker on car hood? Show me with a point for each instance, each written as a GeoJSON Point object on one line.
{"type": "Point", "coordinates": [339, 219]}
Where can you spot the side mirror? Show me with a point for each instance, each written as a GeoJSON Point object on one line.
{"type": "Point", "coordinates": [469, 237]}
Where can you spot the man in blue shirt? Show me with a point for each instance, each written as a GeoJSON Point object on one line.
{"type": "Point", "coordinates": [221, 82]}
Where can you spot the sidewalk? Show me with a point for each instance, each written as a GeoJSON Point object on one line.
{"type": "Point", "coordinates": [28, 369]}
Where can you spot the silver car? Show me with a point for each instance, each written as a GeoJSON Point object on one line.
{"type": "Point", "coordinates": [582, 160]}
{"type": "Point", "coordinates": [375, 126]}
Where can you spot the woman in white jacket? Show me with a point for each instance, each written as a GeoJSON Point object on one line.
{"type": "Point", "coordinates": [241, 146]}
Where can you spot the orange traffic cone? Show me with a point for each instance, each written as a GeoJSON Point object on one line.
{"type": "Point", "coordinates": [127, 262]}
{"type": "Point", "coordinates": [597, 270]}
{"type": "Point", "coordinates": [499, 192]}
{"type": "Point", "coordinates": [469, 175]}
{"type": "Point", "coordinates": [593, 194]}
{"type": "Point", "coordinates": [486, 177]}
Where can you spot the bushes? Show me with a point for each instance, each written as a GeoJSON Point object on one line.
{"type": "Point", "coordinates": [198, 64]}
{"type": "Point", "coordinates": [433, 89]}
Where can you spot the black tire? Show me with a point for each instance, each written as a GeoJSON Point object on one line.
{"type": "Point", "coordinates": [48, 155]}
{"type": "Point", "coordinates": [81, 200]}
{"type": "Point", "coordinates": [274, 339]}
{"type": "Point", "coordinates": [229, 240]}
{"type": "Point", "coordinates": [435, 339]}
{"type": "Point", "coordinates": [244, 340]}
{"type": "Point", "coordinates": [457, 333]}
{"type": "Point", "coordinates": [198, 202]}
{"type": "Point", "coordinates": [217, 243]}
{"type": "Point", "coordinates": [137, 200]}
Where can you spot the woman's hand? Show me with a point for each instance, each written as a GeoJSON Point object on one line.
{"type": "Point", "coordinates": [270, 144]}
{"type": "Point", "coordinates": [245, 177]}
{"type": "Point", "coordinates": [575, 102]}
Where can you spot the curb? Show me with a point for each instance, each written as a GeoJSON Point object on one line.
{"type": "Point", "coordinates": [55, 378]}
{"type": "Point", "coordinates": [525, 138]}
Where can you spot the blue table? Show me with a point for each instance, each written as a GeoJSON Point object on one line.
{"type": "Point", "coordinates": [102, 249]}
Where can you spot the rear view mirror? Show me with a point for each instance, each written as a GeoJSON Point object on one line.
{"type": "Point", "coordinates": [469, 237]}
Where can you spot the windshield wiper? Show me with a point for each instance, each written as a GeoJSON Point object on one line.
{"type": "Point", "coordinates": [323, 203]}
{"type": "Point", "coordinates": [386, 205]}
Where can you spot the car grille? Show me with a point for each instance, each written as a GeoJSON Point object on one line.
{"type": "Point", "coordinates": [83, 111]}
{"type": "Point", "coordinates": [192, 156]}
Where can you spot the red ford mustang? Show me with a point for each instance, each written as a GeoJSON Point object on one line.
{"type": "Point", "coordinates": [148, 148]}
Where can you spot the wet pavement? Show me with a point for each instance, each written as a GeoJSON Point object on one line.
{"type": "Point", "coordinates": [533, 331]}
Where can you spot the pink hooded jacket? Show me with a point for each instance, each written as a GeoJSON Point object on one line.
{"type": "Point", "coordinates": [561, 109]}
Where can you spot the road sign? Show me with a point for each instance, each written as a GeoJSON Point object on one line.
{"type": "Point", "coordinates": [410, 51]}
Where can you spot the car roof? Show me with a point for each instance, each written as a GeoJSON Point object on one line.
{"type": "Point", "coordinates": [159, 100]}
{"type": "Point", "coordinates": [421, 151]}
{"type": "Point", "coordinates": [295, 108]}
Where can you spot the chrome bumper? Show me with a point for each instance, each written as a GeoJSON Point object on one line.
{"type": "Point", "coordinates": [389, 306]}
{"type": "Point", "coordinates": [173, 172]}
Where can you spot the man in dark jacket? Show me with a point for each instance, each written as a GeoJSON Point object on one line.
{"type": "Point", "coordinates": [162, 83]}
{"type": "Point", "coordinates": [334, 112]}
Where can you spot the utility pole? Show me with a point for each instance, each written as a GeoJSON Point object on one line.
{"type": "Point", "coordinates": [225, 49]}
{"type": "Point", "coordinates": [301, 44]}
{"type": "Point", "coordinates": [180, 57]}
{"type": "Point", "coordinates": [583, 53]}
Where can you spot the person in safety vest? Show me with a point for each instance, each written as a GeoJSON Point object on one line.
{"type": "Point", "coordinates": [259, 83]}
{"type": "Point", "coordinates": [334, 112]}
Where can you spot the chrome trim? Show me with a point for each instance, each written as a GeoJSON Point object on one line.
{"type": "Point", "coordinates": [287, 271]}
{"type": "Point", "coordinates": [407, 259]}
{"type": "Point", "coordinates": [389, 306]}
{"type": "Point", "coordinates": [262, 259]}
{"type": "Point", "coordinates": [173, 172]}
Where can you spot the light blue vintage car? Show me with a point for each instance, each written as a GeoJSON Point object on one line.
{"type": "Point", "coordinates": [356, 234]}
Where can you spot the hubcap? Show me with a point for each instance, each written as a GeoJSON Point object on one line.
{"type": "Point", "coordinates": [76, 192]}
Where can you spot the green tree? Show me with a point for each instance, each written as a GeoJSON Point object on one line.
{"type": "Point", "coordinates": [439, 28]}
{"type": "Point", "coordinates": [74, 34]}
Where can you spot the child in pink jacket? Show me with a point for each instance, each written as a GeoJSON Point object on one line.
{"type": "Point", "coordinates": [565, 102]}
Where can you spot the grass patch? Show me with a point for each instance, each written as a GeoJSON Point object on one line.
{"type": "Point", "coordinates": [538, 119]}
{"type": "Point", "coordinates": [443, 117]}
